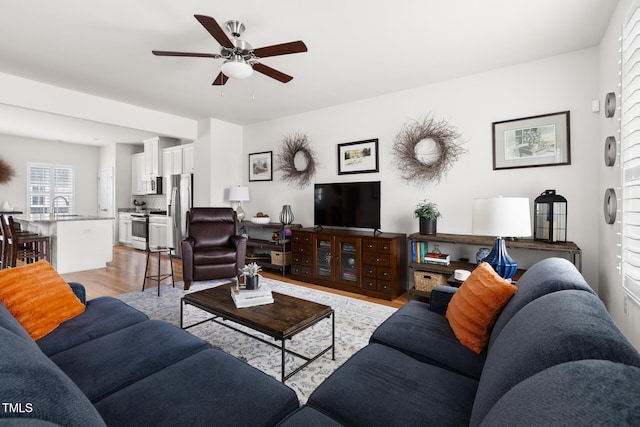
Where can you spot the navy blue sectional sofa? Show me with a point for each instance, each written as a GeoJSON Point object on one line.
{"type": "Point", "coordinates": [111, 365]}
{"type": "Point", "coordinates": [555, 357]}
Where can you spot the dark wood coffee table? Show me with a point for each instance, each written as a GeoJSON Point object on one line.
{"type": "Point", "coordinates": [283, 319]}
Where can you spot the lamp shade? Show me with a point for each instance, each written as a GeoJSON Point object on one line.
{"type": "Point", "coordinates": [239, 194]}
{"type": "Point", "coordinates": [237, 68]}
{"type": "Point", "coordinates": [501, 216]}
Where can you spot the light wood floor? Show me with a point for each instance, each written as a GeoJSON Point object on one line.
{"type": "Point", "coordinates": [126, 271]}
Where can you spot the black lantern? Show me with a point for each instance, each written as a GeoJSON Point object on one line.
{"type": "Point", "coordinates": [550, 217]}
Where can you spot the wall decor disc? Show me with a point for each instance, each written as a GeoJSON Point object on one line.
{"type": "Point", "coordinates": [610, 205]}
{"type": "Point", "coordinates": [610, 151]}
{"type": "Point", "coordinates": [610, 105]}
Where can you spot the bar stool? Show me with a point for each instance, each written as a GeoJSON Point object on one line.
{"type": "Point", "coordinates": [4, 245]}
{"type": "Point", "coordinates": [159, 277]}
{"type": "Point", "coordinates": [20, 245]}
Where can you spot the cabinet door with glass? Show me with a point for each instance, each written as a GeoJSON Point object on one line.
{"type": "Point", "coordinates": [348, 262]}
{"type": "Point", "coordinates": [323, 254]}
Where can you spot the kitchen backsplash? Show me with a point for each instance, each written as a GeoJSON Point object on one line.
{"type": "Point", "coordinates": [152, 201]}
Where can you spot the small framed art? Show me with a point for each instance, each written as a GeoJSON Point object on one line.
{"type": "Point", "coordinates": [261, 166]}
{"type": "Point", "coordinates": [358, 157]}
{"type": "Point", "coordinates": [532, 141]}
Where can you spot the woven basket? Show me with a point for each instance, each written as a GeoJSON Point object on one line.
{"type": "Point", "coordinates": [280, 258]}
{"type": "Point", "coordinates": [425, 281]}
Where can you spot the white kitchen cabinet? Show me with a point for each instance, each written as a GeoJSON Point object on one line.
{"type": "Point", "coordinates": [172, 161]}
{"type": "Point", "coordinates": [157, 231]}
{"type": "Point", "coordinates": [124, 229]}
{"type": "Point", "coordinates": [153, 154]}
{"type": "Point", "coordinates": [137, 174]}
{"type": "Point", "coordinates": [188, 157]}
{"type": "Point", "coordinates": [177, 160]}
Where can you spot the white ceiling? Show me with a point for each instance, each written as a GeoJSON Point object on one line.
{"type": "Point", "coordinates": [356, 49]}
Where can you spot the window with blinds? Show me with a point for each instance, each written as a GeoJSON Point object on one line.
{"type": "Point", "coordinates": [50, 188]}
{"type": "Point", "coordinates": [630, 153]}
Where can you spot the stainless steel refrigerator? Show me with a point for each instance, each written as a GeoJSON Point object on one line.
{"type": "Point", "coordinates": [179, 201]}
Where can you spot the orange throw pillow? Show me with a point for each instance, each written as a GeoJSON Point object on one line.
{"type": "Point", "coordinates": [474, 308]}
{"type": "Point", "coordinates": [38, 297]}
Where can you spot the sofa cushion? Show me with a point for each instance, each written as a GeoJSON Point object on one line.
{"type": "Point", "coordinates": [102, 316]}
{"type": "Point", "coordinates": [308, 416]}
{"type": "Point", "coordinates": [544, 277]}
{"type": "Point", "coordinates": [382, 386]}
{"type": "Point", "coordinates": [44, 392]}
{"type": "Point", "coordinates": [208, 388]}
{"type": "Point", "coordinates": [419, 332]}
{"type": "Point", "coordinates": [440, 298]}
{"type": "Point", "coordinates": [578, 393]}
{"type": "Point", "coordinates": [38, 297]}
{"type": "Point", "coordinates": [106, 364]}
{"type": "Point", "coordinates": [559, 327]}
{"type": "Point", "coordinates": [475, 307]}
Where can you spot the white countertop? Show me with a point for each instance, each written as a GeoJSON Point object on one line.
{"type": "Point", "coordinates": [59, 218]}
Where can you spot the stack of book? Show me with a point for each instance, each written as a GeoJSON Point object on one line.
{"type": "Point", "coordinates": [434, 258]}
{"type": "Point", "coordinates": [245, 298]}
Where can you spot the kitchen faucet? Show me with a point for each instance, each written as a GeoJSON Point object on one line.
{"type": "Point", "coordinates": [53, 204]}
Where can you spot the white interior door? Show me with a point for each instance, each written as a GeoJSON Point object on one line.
{"type": "Point", "coordinates": [105, 193]}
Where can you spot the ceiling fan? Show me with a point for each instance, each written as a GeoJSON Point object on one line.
{"type": "Point", "coordinates": [241, 59]}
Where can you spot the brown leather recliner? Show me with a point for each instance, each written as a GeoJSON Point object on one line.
{"type": "Point", "coordinates": [212, 248]}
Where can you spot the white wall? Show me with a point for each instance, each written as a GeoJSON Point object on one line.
{"type": "Point", "coordinates": [30, 94]}
{"type": "Point", "coordinates": [18, 151]}
{"type": "Point", "coordinates": [610, 289]}
{"type": "Point", "coordinates": [218, 156]}
{"type": "Point", "coordinates": [566, 82]}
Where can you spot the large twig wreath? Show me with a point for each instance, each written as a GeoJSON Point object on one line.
{"type": "Point", "coordinates": [7, 171]}
{"type": "Point", "coordinates": [419, 169]}
{"type": "Point", "coordinates": [292, 145]}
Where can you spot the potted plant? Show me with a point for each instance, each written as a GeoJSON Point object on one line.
{"type": "Point", "coordinates": [428, 214]}
{"type": "Point", "coordinates": [250, 273]}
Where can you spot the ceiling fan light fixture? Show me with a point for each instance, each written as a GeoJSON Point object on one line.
{"type": "Point", "coordinates": [237, 68]}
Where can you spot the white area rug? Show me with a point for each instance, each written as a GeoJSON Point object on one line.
{"type": "Point", "coordinates": [355, 322]}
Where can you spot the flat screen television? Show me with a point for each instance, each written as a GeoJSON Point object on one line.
{"type": "Point", "coordinates": [347, 204]}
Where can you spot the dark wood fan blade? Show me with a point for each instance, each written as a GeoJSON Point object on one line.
{"type": "Point", "coordinates": [274, 74]}
{"type": "Point", "coordinates": [191, 54]}
{"type": "Point", "coordinates": [280, 49]}
{"type": "Point", "coordinates": [214, 29]}
{"type": "Point", "coordinates": [220, 80]}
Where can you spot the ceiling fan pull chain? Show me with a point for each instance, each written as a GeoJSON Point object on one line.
{"type": "Point", "coordinates": [253, 87]}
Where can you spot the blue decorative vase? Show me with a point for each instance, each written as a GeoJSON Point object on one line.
{"type": "Point", "coordinates": [500, 260]}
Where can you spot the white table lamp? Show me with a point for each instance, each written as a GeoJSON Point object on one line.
{"type": "Point", "coordinates": [501, 217]}
{"type": "Point", "coordinates": [239, 194]}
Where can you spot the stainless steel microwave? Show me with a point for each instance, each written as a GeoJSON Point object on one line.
{"type": "Point", "coordinates": [152, 184]}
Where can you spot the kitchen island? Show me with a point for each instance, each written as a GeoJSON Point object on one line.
{"type": "Point", "coordinates": [78, 242]}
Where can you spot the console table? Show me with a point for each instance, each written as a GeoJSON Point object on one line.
{"type": "Point", "coordinates": [350, 260]}
{"type": "Point", "coordinates": [268, 251]}
{"type": "Point", "coordinates": [568, 249]}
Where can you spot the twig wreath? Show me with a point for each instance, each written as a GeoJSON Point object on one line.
{"type": "Point", "coordinates": [292, 145]}
{"type": "Point", "coordinates": [7, 172]}
{"type": "Point", "coordinates": [417, 168]}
